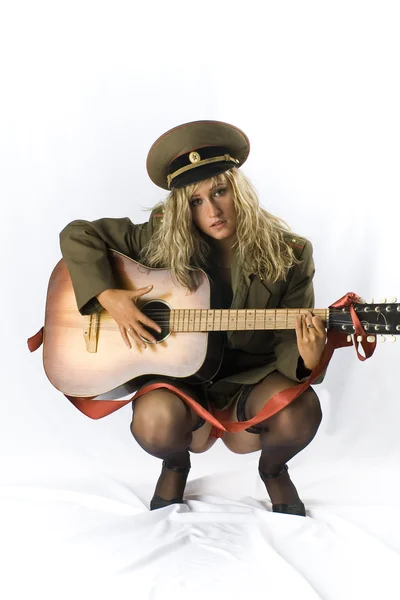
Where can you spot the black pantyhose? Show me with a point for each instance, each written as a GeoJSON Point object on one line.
{"type": "Point", "coordinates": [171, 484]}
{"type": "Point", "coordinates": [283, 436]}
{"type": "Point", "coordinates": [167, 434]}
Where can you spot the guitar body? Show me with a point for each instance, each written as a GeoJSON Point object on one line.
{"type": "Point", "coordinates": [86, 356]}
{"type": "Point", "coordinates": [77, 371]}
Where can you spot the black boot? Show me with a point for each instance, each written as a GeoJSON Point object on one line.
{"type": "Point", "coordinates": [157, 501]}
{"type": "Point", "coordinates": [296, 508]}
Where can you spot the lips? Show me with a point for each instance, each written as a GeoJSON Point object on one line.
{"type": "Point", "coordinates": [219, 222]}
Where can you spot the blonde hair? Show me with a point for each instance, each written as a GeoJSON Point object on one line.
{"type": "Point", "coordinates": [179, 245]}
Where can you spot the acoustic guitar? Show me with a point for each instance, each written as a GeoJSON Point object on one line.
{"type": "Point", "coordinates": [85, 355]}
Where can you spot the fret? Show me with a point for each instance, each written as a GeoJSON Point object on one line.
{"type": "Point", "coordinates": [249, 319]}
{"type": "Point", "coordinates": [233, 320]}
{"type": "Point", "coordinates": [217, 320]}
{"type": "Point", "coordinates": [225, 320]}
{"type": "Point", "coordinates": [197, 319]}
{"type": "Point", "coordinates": [259, 319]}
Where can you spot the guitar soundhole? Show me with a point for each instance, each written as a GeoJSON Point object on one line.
{"type": "Point", "coordinates": [159, 312]}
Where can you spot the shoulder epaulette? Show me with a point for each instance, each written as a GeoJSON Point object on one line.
{"type": "Point", "coordinates": [158, 216]}
{"type": "Point", "coordinates": [296, 243]}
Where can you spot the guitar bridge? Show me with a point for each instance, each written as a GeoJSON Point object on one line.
{"type": "Point", "coordinates": [91, 331]}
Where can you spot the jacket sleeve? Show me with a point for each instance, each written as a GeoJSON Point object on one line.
{"type": "Point", "coordinates": [299, 294]}
{"type": "Point", "coordinates": [84, 246]}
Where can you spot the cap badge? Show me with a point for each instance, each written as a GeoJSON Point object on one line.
{"type": "Point", "coordinates": [194, 157]}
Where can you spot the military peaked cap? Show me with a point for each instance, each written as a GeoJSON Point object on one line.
{"type": "Point", "coordinates": [196, 151]}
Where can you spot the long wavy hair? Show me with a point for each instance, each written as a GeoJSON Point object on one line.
{"type": "Point", "coordinates": [179, 245]}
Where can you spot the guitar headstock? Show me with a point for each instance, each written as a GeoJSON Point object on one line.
{"type": "Point", "coordinates": [381, 319]}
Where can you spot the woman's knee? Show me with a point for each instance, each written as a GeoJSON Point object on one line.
{"type": "Point", "coordinates": [311, 408]}
{"type": "Point", "coordinates": [297, 423]}
{"type": "Point", "coordinates": [301, 419]}
{"type": "Point", "coordinates": [160, 420]}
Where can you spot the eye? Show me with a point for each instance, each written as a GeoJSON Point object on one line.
{"type": "Point", "coordinates": [220, 191]}
{"type": "Point", "coordinates": [195, 201]}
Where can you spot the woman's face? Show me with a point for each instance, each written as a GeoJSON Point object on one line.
{"type": "Point", "coordinates": [213, 210]}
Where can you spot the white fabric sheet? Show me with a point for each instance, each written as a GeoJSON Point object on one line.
{"type": "Point", "coordinates": [222, 542]}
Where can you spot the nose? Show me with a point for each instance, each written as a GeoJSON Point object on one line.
{"type": "Point", "coordinates": [213, 210]}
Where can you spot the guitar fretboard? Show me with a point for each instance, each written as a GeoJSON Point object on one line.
{"type": "Point", "coordinates": [243, 319]}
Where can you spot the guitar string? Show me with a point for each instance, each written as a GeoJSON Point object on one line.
{"type": "Point", "coordinates": [279, 311]}
{"type": "Point", "coordinates": [241, 312]}
{"type": "Point", "coordinates": [166, 318]}
{"type": "Point", "coordinates": [167, 322]}
{"type": "Point", "coordinates": [242, 316]}
{"type": "Point", "coordinates": [270, 310]}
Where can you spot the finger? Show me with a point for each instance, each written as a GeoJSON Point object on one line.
{"type": "Point", "coordinates": [308, 316]}
{"type": "Point", "coordinates": [308, 327]}
{"type": "Point", "coordinates": [146, 321]}
{"type": "Point", "coordinates": [299, 328]}
{"type": "Point", "coordinates": [140, 343]}
{"type": "Point", "coordinates": [139, 317]}
{"type": "Point", "coordinates": [319, 325]}
{"type": "Point", "coordinates": [141, 292]}
{"type": "Point", "coordinates": [304, 327]}
{"type": "Point", "coordinates": [145, 334]}
{"type": "Point", "coordinates": [125, 337]}
{"type": "Point", "coordinates": [309, 321]}
{"type": "Point", "coordinates": [136, 316]}
{"type": "Point", "coordinates": [134, 334]}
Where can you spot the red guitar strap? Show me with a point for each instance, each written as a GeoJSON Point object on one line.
{"type": "Point", "coordinates": [36, 340]}
{"type": "Point", "coordinates": [96, 409]}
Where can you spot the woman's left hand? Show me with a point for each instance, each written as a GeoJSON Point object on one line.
{"type": "Point", "coordinates": [311, 339]}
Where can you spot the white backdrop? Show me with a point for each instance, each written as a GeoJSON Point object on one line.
{"type": "Point", "coordinates": [86, 89]}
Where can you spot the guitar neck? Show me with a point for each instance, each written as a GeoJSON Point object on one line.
{"type": "Point", "coordinates": [243, 319]}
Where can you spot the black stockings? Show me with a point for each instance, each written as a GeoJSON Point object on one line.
{"type": "Point", "coordinates": [162, 426]}
{"type": "Point", "coordinates": [283, 436]}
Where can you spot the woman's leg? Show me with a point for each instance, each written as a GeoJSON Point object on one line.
{"type": "Point", "coordinates": [280, 437]}
{"type": "Point", "coordinates": [163, 426]}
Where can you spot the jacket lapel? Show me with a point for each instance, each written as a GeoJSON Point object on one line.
{"type": "Point", "coordinates": [240, 281]}
{"type": "Point", "coordinates": [250, 292]}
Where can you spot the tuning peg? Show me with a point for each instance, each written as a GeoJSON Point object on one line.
{"type": "Point", "coordinates": [362, 301]}
{"type": "Point", "coordinates": [381, 301]}
{"type": "Point", "coordinates": [359, 338]}
{"type": "Point", "coordinates": [372, 301]}
{"type": "Point", "coordinates": [391, 338]}
{"type": "Point", "coordinates": [381, 338]}
{"type": "Point", "coordinates": [392, 299]}
{"type": "Point", "coordinates": [371, 338]}
{"type": "Point", "coordinates": [349, 338]}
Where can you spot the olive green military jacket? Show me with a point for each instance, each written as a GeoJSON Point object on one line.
{"type": "Point", "coordinates": [252, 354]}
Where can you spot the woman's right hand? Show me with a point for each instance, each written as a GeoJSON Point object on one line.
{"type": "Point", "coordinates": [120, 305]}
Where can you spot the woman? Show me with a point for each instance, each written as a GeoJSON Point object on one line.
{"type": "Point", "coordinates": [212, 220]}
